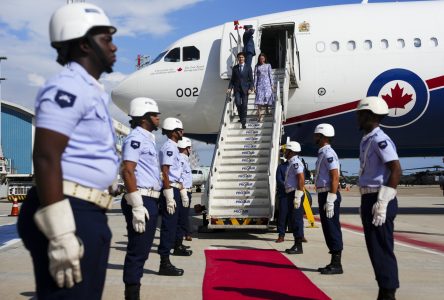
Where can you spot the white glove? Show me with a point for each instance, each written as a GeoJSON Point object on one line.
{"type": "Point", "coordinates": [185, 199]}
{"type": "Point", "coordinates": [65, 249]}
{"type": "Point", "coordinates": [170, 202]}
{"type": "Point", "coordinates": [139, 211]}
{"type": "Point", "coordinates": [298, 198]}
{"type": "Point", "coordinates": [329, 206]}
{"type": "Point", "coordinates": [379, 210]}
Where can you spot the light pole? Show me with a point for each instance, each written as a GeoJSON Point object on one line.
{"type": "Point", "coordinates": [1, 78]}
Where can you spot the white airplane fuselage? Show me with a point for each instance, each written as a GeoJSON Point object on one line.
{"type": "Point", "coordinates": [341, 54]}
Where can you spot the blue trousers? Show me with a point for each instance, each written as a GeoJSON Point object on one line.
{"type": "Point", "coordinates": [380, 242]}
{"type": "Point", "coordinates": [169, 227]}
{"type": "Point", "coordinates": [184, 221]}
{"type": "Point", "coordinates": [331, 227]}
{"type": "Point", "coordinates": [139, 244]}
{"type": "Point", "coordinates": [91, 228]}
{"type": "Point", "coordinates": [241, 101]}
{"type": "Point", "coordinates": [285, 209]}
{"type": "Point", "coordinates": [297, 217]}
{"type": "Point", "coordinates": [248, 59]}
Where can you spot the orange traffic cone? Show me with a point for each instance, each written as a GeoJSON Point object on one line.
{"type": "Point", "coordinates": [14, 209]}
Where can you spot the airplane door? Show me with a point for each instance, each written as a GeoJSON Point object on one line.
{"type": "Point", "coordinates": [231, 44]}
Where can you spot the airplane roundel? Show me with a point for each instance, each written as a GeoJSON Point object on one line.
{"type": "Point", "coordinates": [406, 94]}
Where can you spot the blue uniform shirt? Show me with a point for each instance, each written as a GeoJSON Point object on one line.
{"type": "Point", "coordinates": [140, 147]}
{"type": "Point", "coordinates": [186, 179]}
{"type": "Point", "coordinates": [327, 161]}
{"type": "Point", "coordinates": [280, 177]}
{"type": "Point", "coordinates": [169, 155]}
{"type": "Point", "coordinates": [75, 104]}
{"type": "Point", "coordinates": [295, 167]}
{"type": "Point", "coordinates": [375, 150]}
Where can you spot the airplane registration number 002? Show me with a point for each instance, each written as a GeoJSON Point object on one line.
{"type": "Point", "coordinates": [187, 92]}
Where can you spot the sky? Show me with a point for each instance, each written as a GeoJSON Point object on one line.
{"type": "Point", "coordinates": [144, 27]}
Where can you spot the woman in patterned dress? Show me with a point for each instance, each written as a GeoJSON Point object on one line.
{"type": "Point", "coordinates": [264, 86]}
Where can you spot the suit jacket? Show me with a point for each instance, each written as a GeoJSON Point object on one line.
{"type": "Point", "coordinates": [241, 81]}
{"type": "Point", "coordinates": [248, 41]}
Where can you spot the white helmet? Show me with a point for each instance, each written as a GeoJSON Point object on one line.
{"type": "Point", "coordinates": [184, 143]}
{"type": "Point", "coordinates": [376, 105]}
{"type": "Point", "coordinates": [325, 129]}
{"type": "Point", "coordinates": [172, 124]}
{"type": "Point", "coordinates": [73, 21]}
{"type": "Point", "coordinates": [293, 146]}
{"type": "Point", "coordinates": [141, 105]}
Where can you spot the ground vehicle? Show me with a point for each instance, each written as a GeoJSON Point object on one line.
{"type": "Point", "coordinates": [18, 186]}
{"type": "Point", "coordinates": [200, 176]}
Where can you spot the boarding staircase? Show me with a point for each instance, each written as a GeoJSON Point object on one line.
{"type": "Point", "coordinates": [241, 183]}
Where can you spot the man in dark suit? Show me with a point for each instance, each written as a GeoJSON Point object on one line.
{"type": "Point", "coordinates": [242, 84]}
{"type": "Point", "coordinates": [248, 41]}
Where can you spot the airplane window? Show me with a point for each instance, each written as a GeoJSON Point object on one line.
{"type": "Point", "coordinates": [351, 45]}
{"type": "Point", "coordinates": [417, 42]}
{"type": "Point", "coordinates": [173, 55]}
{"type": "Point", "coordinates": [401, 43]}
{"type": "Point", "coordinates": [193, 171]}
{"type": "Point", "coordinates": [320, 46]}
{"type": "Point", "coordinates": [368, 44]}
{"type": "Point", "coordinates": [158, 58]}
{"type": "Point", "coordinates": [191, 53]}
{"type": "Point", "coordinates": [384, 44]}
{"type": "Point", "coordinates": [334, 46]}
{"type": "Point", "coordinates": [434, 42]}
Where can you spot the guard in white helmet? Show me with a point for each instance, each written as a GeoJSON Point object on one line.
{"type": "Point", "coordinates": [329, 198]}
{"type": "Point", "coordinates": [294, 188]}
{"type": "Point", "coordinates": [63, 222]}
{"type": "Point", "coordinates": [378, 178]}
{"type": "Point", "coordinates": [141, 175]}
{"type": "Point", "coordinates": [170, 201]}
{"type": "Point", "coordinates": [184, 232]}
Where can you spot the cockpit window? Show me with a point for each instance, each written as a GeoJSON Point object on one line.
{"type": "Point", "coordinates": [173, 55]}
{"type": "Point", "coordinates": [191, 53]}
{"type": "Point", "coordinates": [158, 58]}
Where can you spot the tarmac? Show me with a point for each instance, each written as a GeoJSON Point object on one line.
{"type": "Point", "coordinates": [419, 248]}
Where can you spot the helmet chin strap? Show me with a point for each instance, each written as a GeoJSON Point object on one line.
{"type": "Point", "coordinates": [106, 67]}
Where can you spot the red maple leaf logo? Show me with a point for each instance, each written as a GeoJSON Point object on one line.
{"type": "Point", "coordinates": [179, 69]}
{"type": "Point", "coordinates": [397, 99]}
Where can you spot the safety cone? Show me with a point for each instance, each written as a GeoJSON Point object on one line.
{"type": "Point", "coordinates": [14, 209]}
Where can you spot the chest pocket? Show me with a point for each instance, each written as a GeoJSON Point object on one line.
{"type": "Point", "coordinates": [150, 156]}
{"type": "Point", "coordinates": [97, 122]}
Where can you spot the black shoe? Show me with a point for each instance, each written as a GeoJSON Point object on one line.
{"type": "Point", "coordinates": [182, 251]}
{"type": "Point", "coordinates": [244, 127]}
{"type": "Point", "coordinates": [132, 291]}
{"type": "Point", "coordinates": [296, 249]}
{"type": "Point", "coordinates": [335, 266]}
{"type": "Point", "coordinates": [167, 269]}
{"type": "Point", "coordinates": [186, 247]}
{"type": "Point", "coordinates": [386, 294]}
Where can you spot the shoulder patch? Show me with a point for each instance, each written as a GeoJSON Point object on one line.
{"type": "Point", "coordinates": [330, 159]}
{"type": "Point", "coordinates": [170, 153]}
{"type": "Point", "coordinates": [382, 144]}
{"type": "Point", "coordinates": [65, 99]}
{"type": "Point", "coordinates": [296, 165]}
{"type": "Point", "coordinates": [135, 144]}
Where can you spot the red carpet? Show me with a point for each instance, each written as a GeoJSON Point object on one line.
{"type": "Point", "coordinates": [255, 274]}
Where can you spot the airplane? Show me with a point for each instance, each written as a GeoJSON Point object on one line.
{"type": "Point", "coordinates": [336, 55]}
{"type": "Point", "coordinates": [199, 177]}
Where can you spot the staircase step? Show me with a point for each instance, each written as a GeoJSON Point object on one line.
{"type": "Point", "coordinates": [247, 138]}
{"type": "Point", "coordinates": [244, 160]}
{"type": "Point", "coordinates": [240, 202]}
{"type": "Point", "coordinates": [226, 176]}
{"type": "Point", "coordinates": [253, 131]}
{"type": "Point", "coordinates": [240, 193]}
{"type": "Point", "coordinates": [246, 146]}
{"type": "Point", "coordinates": [245, 153]}
{"type": "Point", "coordinates": [250, 212]}
{"type": "Point", "coordinates": [235, 169]}
{"type": "Point", "coordinates": [250, 124]}
{"type": "Point", "coordinates": [245, 184]}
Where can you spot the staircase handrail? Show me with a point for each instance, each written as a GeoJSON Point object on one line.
{"type": "Point", "coordinates": [274, 153]}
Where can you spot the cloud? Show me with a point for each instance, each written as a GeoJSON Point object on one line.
{"type": "Point", "coordinates": [36, 80]}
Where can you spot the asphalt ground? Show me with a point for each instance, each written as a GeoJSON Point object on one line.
{"type": "Point", "coordinates": [419, 248]}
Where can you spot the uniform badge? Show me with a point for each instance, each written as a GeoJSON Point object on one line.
{"type": "Point", "coordinates": [382, 144]}
{"type": "Point", "coordinates": [135, 144]}
{"type": "Point", "coordinates": [330, 159]}
{"type": "Point", "coordinates": [170, 153]}
{"type": "Point", "coordinates": [65, 99]}
{"type": "Point", "coordinates": [296, 165]}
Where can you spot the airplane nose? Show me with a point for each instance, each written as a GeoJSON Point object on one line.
{"type": "Point", "coordinates": [127, 90]}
